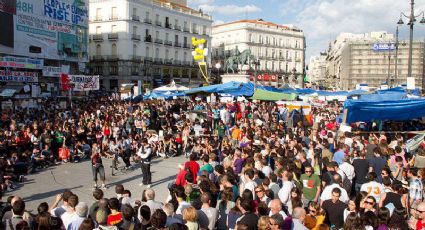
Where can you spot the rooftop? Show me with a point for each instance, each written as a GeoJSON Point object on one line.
{"type": "Point", "coordinates": [260, 22]}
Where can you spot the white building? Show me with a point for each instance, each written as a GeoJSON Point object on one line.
{"type": "Point", "coordinates": [371, 59]}
{"type": "Point", "coordinates": [317, 69]}
{"type": "Point", "coordinates": [280, 49]}
{"type": "Point", "coordinates": [145, 40]}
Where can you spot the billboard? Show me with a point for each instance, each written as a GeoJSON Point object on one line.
{"type": "Point", "coordinates": [53, 29]}
{"type": "Point", "coordinates": [79, 82]}
{"type": "Point", "coordinates": [18, 76]}
{"type": "Point", "coordinates": [383, 47]}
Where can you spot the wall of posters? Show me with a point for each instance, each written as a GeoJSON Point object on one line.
{"type": "Point", "coordinates": [54, 29]}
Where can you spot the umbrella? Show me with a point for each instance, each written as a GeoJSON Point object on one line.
{"type": "Point", "coordinates": [171, 87]}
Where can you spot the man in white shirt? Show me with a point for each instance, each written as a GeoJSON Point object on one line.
{"type": "Point", "coordinates": [249, 181]}
{"type": "Point", "coordinates": [348, 170]}
{"type": "Point", "coordinates": [70, 214]}
{"type": "Point", "coordinates": [372, 187]}
{"type": "Point", "coordinates": [150, 201]}
{"type": "Point", "coordinates": [81, 210]}
{"type": "Point", "coordinates": [287, 185]}
{"type": "Point", "coordinates": [145, 153]}
{"type": "Point", "coordinates": [58, 211]}
{"type": "Point", "coordinates": [327, 191]}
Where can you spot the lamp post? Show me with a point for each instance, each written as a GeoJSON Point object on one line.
{"type": "Point", "coordinates": [412, 18]}
{"type": "Point", "coordinates": [396, 55]}
{"type": "Point", "coordinates": [255, 63]}
{"type": "Point", "coordinates": [294, 76]}
{"type": "Point", "coordinates": [218, 66]}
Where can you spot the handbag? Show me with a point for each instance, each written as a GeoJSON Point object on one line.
{"type": "Point", "coordinates": [64, 153]}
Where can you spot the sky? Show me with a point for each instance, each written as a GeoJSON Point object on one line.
{"type": "Point", "coordinates": [321, 20]}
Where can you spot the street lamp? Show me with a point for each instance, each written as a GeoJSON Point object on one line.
{"type": "Point", "coordinates": [412, 19]}
{"type": "Point", "coordinates": [294, 75]}
{"type": "Point", "coordinates": [255, 63]}
{"type": "Point", "coordinates": [218, 66]}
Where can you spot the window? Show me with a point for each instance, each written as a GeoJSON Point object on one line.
{"type": "Point", "coordinates": [204, 30]}
{"type": "Point", "coordinates": [157, 53]}
{"type": "Point", "coordinates": [98, 30]}
{"type": "Point", "coordinates": [134, 49]}
{"type": "Point", "coordinates": [166, 36]}
{"type": "Point", "coordinates": [157, 34]}
{"type": "Point", "coordinates": [176, 38]}
{"type": "Point", "coordinates": [98, 50]}
{"type": "Point", "coordinates": [113, 28]}
{"type": "Point", "coordinates": [114, 49]}
{"type": "Point", "coordinates": [134, 11]}
{"type": "Point", "coordinates": [184, 56]}
{"type": "Point", "coordinates": [134, 29]}
{"type": "Point", "coordinates": [249, 37]}
{"type": "Point", "coordinates": [147, 15]}
{"type": "Point", "coordinates": [147, 51]}
{"type": "Point", "coordinates": [167, 54]}
{"type": "Point", "coordinates": [176, 55]}
{"type": "Point", "coordinates": [99, 14]}
{"type": "Point", "coordinates": [147, 32]}
{"type": "Point", "coordinates": [114, 14]}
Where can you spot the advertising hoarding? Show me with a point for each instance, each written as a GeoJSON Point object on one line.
{"type": "Point", "coordinates": [79, 82]}
{"type": "Point", "coordinates": [377, 47]}
{"type": "Point", "coordinates": [53, 29]}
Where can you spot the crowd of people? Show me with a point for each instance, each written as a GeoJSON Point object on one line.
{"type": "Point", "coordinates": [249, 165]}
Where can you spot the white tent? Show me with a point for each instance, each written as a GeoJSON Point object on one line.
{"type": "Point", "coordinates": [171, 87]}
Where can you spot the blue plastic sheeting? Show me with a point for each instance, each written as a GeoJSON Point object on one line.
{"type": "Point", "coordinates": [391, 90]}
{"type": "Point", "coordinates": [400, 110]}
{"type": "Point", "coordinates": [384, 97]}
{"type": "Point", "coordinates": [246, 90]}
{"type": "Point", "coordinates": [220, 88]}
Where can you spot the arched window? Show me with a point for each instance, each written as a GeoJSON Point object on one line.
{"type": "Point", "coordinates": [114, 49]}
{"type": "Point", "coordinates": [134, 49]}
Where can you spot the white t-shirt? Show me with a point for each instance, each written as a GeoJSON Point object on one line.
{"type": "Point", "coordinates": [251, 186]}
{"type": "Point", "coordinates": [68, 218]}
{"type": "Point", "coordinates": [327, 193]}
{"type": "Point", "coordinates": [374, 189]}
{"type": "Point", "coordinates": [285, 192]}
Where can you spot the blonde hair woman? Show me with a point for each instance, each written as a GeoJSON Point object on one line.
{"type": "Point", "coordinates": [190, 216]}
{"type": "Point", "coordinates": [264, 223]}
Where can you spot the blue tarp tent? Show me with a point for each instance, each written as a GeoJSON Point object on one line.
{"type": "Point", "coordinates": [246, 89]}
{"type": "Point", "coordinates": [393, 96]}
{"type": "Point", "coordinates": [220, 88]}
{"type": "Point", "coordinates": [397, 110]}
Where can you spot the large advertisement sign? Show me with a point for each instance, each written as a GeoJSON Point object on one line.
{"type": "Point", "coordinates": [19, 76]}
{"type": "Point", "coordinates": [383, 47]}
{"type": "Point", "coordinates": [18, 62]}
{"type": "Point", "coordinates": [54, 29]}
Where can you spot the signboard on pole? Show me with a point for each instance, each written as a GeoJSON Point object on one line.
{"type": "Point", "coordinates": [411, 83]}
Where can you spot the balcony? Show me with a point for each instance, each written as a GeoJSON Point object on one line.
{"type": "Point", "coordinates": [298, 60]}
{"type": "Point", "coordinates": [113, 18]}
{"type": "Point", "coordinates": [112, 57]}
{"type": "Point", "coordinates": [176, 27]}
{"type": "Point", "coordinates": [97, 37]}
{"type": "Point", "coordinates": [194, 31]}
{"type": "Point", "coordinates": [135, 37]}
{"type": "Point", "coordinates": [135, 18]}
{"type": "Point", "coordinates": [168, 43]}
{"type": "Point", "coordinates": [177, 62]}
{"type": "Point", "coordinates": [134, 72]}
{"type": "Point", "coordinates": [136, 58]}
{"type": "Point", "coordinates": [186, 46]}
{"type": "Point", "coordinates": [168, 25]}
{"type": "Point", "coordinates": [185, 29]}
{"type": "Point", "coordinates": [158, 41]}
{"type": "Point", "coordinates": [187, 63]}
{"type": "Point", "coordinates": [148, 59]}
{"type": "Point", "coordinates": [113, 36]}
{"type": "Point", "coordinates": [168, 61]}
{"type": "Point", "coordinates": [97, 58]}
{"type": "Point", "coordinates": [147, 21]}
{"type": "Point", "coordinates": [204, 33]}
{"type": "Point", "coordinates": [177, 44]}
{"type": "Point", "coordinates": [158, 60]}
{"type": "Point", "coordinates": [148, 38]}
{"type": "Point", "coordinates": [98, 19]}
{"type": "Point", "coordinates": [158, 23]}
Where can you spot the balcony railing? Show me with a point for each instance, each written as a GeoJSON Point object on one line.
{"type": "Point", "coordinates": [147, 21]}
{"type": "Point", "coordinates": [168, 61]}
{"type": "Point", "coordinates": [158, 60]}
{"type": "Point", "coordinates": [148, 59]}
{"type": "Point", "coordinates": [158, 23]}
{"type": "Point", "coordinates": [194, 31]}
{"type": "Point", "coordinates": [168, 43]}
{"type": "Point", "coordinates": [177, 62]}
{"type": "Point", "coordinates": [158, 41]}
{"type": "Point", "coordinates": [185, 29]}
{"type": "Point", "coordinates": [112, 57]}
{"type": "Point", "coordinates": [168, 25]}
{"type": "Point", "coordinates": [97, 37]}
{"type": "Point", "coordinates": [97, 58]}
{"type": "Point", "coordinates": [135, 18]}
{"type": "Point", "coordinates": [187, 63]}
{"type": "Point", "coordinates": [135, 37]}
{"type": "Point", "coordinates": [98, 19]}
{"type": "Point", "coordinates": [177, 44]}
{"type": "Point", "coordinates": [176, 27]}
{"type": "Point", "coordinates": [136, 58]}
{"type": "Point", "coordinates": [113, 18]}
{"type": "Point", "coordinates": [186, 46]}
{"type": "Point", "coordinates": [113, 36]}
{"type": "Point", "coordinates": [148, 38]}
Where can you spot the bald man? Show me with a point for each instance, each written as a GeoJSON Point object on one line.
{"type": "Point", "coordinates": [298, 217]}
{"type": "Point", "coordinates": [276, 208]}
{"type": "Point", "coordinates": [9, 214]}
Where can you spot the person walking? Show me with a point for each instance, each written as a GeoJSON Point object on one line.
{"type": "Point", "coordinates": [145, 153]}
{"type": "Point", "coordinates": [97, 166]}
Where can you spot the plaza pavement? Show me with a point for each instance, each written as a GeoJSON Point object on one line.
{"type": "Point", "coordinates": [44, 185]}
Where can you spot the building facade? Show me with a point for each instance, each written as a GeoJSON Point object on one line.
{"type": "Point", "coordinates": [317, 69]}
{"type": "Point", "coordinates": [145, 40]}
{"type": "Point", "coordinates": [279, 49]}
{"type": "Point", "coordinates": [374, 59]}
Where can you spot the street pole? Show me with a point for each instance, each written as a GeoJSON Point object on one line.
{"type": "Point", "coordinates": [389, 64]}
{"type": "Point", "coordinates": [396, 56]}
{"type": "Point", "coordinates": [411, 20]}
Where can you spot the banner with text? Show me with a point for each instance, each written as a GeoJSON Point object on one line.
{"type": "Point", "coordinates": [54, 71]}
{"type": "Point", "coordinates": [20, 62]}
{"type": "Point", "coordinates": [83, 82]}
{"type": "Point", "coordinates": [54, 29]}
{"type": "Point", "coordinates": [19, 76]}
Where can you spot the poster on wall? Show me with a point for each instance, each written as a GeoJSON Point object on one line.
{"type": "Point", "coordinates": [18, 76]}
{"type": "Point", "coordinates": [79, 82]}
{"type": "Point", "coordinates": [54, 29]}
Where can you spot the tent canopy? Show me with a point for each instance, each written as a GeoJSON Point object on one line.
{"type": "Point", "coordinates": [220, 88]}
{"type": "Point", "coordinates": [172, 87]}
{"type": "Point", "coordinates": [265, 95]}
{"type": "Point", "coordinates": [396, 110]}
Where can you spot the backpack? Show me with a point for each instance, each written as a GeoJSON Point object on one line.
{"type": "Point", "coordinates": [346, 184]}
